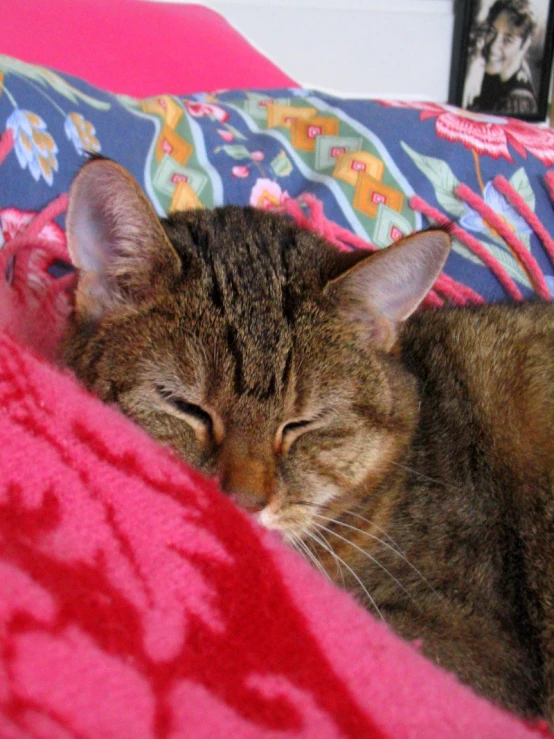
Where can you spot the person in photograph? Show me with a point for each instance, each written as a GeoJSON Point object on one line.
{"type": "Point", "coordinates": [499, 79]}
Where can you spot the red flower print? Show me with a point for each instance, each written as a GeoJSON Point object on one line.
{"type": "Point", "coordinates": [486, 134]}
{"type": "Point", "coordinates": [240, 171]}
{"type": "Point", "coordinates": [227, 136]}
{"type": "Point", "coordinates": [539, 140]}
{"type": "Point", "coordinates": [201, 110]}
{"type": "Point", "coordinates": [267, 194]}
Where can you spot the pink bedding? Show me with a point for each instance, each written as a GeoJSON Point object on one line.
{"type": "Point", "coordinates": [134, 47]}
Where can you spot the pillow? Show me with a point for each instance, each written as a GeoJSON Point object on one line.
{"type": "Point", "coordinates": [136, 47]}
{"type": "Point", "coordinates": [135, 599]}
{"type": "Point", "coordinates": [375, 170]}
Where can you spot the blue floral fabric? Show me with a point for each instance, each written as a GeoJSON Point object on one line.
{"type": "Point", "coordinates": [364, 160]}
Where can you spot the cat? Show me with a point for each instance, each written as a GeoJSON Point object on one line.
{"type": "Point", "coordinates": [408, 454]}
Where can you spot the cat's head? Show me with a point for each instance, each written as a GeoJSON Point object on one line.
{"type": "Point", "coordinates": [255, 349]}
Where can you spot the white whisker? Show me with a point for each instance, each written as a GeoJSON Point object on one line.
{"type": "Point", "coordinates": [426, 477]}
{"type": "Point", "coordinates": [303, 547]}
{"type": "Point", "coordinates": [339, 570]}
{"type": "Point", "coordinates": [356, 515]}
{"type": "Point", "coordinates": [371, 558]}
{"type": "Point", "coordinates": [375, 526]}
{"type": "Point", "coordinates": [322, 543]}
{"type": "Point", "coordinates": [384, 543]}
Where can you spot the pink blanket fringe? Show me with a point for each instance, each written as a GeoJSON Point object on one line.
{"type": "Point", "coordinates": [471, 243]}
{"type": "Point", "coordinates": [513, 197]}
{"type": "Point", "coordinates": [527, 261]}
{"type": "Point", "coordinates": [29, 238]}
{"type": "Point", "coordinates": [316, 221]}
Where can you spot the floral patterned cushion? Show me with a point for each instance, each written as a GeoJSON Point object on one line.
{"type": "Point", "coordinates": [359, 171]}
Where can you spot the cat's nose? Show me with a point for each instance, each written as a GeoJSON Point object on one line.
{"type": "Point", "coordinates": [249, 482]}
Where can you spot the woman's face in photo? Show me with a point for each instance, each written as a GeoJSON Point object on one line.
{"type": "Point", "coordinates": [504, 47]}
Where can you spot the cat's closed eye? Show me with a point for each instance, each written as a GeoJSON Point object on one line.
{"type": "Point", "coordinates": [198, 418]}
{"type": "Point", "coordinates": [290, 431]}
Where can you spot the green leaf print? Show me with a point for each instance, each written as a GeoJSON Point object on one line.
{"type": "Point", "coordinates": [128, 102]}
{"type": "Point", "coordinates": [501, 254]}
{"type": "Point", "coordinates": [236, 133]}
{"type": "Point", "coordinates": [441, 177]}
{"type": "Point", "coordinates": [281, 165]}
{"type": "Point", "coordinates": [236, 151]}
{"type": "Point", "coordinates": [520, 182]}
{"type": "Point", "coordinates": [46, 78]}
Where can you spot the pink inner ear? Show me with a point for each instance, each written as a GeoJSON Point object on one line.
{"type": "Point", "coordinates": [392, 283]}
{"type": "Point", "coordinates": [92, 219]}
{"type": "Point", "coordinates": [114, 237]}
{"type": "Point", "coordinates": [109, 220]}
{"type": "Point", "coordinates": [86, 239]}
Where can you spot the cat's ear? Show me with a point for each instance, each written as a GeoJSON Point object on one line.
{"type": "Point", "coordinates": [385, 288]}
{"type": "Point", "coordinates": [115, 240]}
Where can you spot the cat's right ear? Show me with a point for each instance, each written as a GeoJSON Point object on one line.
{"type": "Point", "coordinates": [385, 288]}
{"type": "Point", "coordinates": [115, 240]}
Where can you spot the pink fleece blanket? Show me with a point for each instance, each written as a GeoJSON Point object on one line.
{"type": "Point", "coordinates": [137, 601]}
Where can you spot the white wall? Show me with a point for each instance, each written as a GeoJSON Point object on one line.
{"type": "Point", "coordinates": [388, 48]}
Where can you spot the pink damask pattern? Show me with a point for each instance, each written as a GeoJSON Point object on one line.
{"type": "Point", "coordinates": [137, 601]}
{"type": "Point", "coordinates": [127, 579]}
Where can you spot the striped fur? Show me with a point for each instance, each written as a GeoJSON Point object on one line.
{"type": "Point", "coordinates": [414, 463]}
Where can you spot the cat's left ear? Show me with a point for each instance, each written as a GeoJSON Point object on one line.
{"type": "Point", "coordinates": [386, 287]}
{"type": "Point", "coordinates": [115, 240]}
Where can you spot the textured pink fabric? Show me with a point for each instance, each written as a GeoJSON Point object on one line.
{"type": "Point", "coordinates": [137, 601]}
{"type": "Point", "coordinates": [34, 305]}
{"type": "Point", "coordinates": [135, 47]}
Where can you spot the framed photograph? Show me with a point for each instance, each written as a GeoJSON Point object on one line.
{"type": "Point", "coordinates": [502, 57]}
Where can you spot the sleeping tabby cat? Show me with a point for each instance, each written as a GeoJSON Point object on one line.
{"type": "Point", "coordinates": [408, 455]}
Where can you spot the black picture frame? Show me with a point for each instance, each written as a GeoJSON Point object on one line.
{"type": "Point", "coordinates": [466, 29]}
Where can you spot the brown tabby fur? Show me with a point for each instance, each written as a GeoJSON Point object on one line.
{"type": "Point", "coordinates": [429, 452]}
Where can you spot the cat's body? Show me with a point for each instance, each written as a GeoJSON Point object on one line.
{"type": "Point", "coordinates": [419, 450]}
{"type": "Point", "coordinates": [474, 511]}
